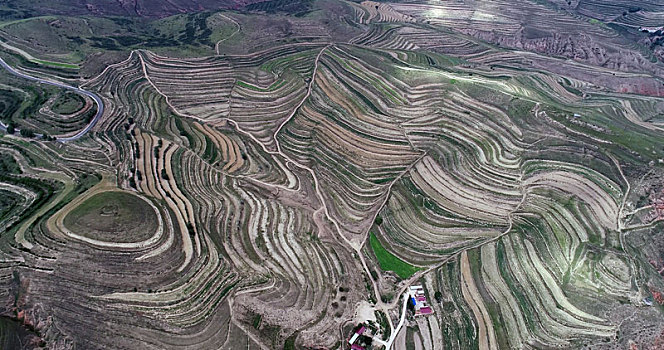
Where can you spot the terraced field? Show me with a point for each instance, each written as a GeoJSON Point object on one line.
{"type": "Point", "coordinates": [292, 178]}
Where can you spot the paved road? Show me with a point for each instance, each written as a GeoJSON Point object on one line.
{"type": "Point", "coordinates": [395, 331]}
{"type": "Point", "coordinates": [98, 101]}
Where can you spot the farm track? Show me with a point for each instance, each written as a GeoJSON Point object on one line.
{"type": "Point", "coordinates": [216, 45]}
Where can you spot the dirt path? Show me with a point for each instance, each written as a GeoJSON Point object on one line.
{"type": "Point", "coordinates": [237, 30]}
{"type": "Point", "coordinates": [395, 331]}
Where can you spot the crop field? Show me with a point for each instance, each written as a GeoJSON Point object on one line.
{"type": "Point", "coordinates": [274, 174]}
{"type": "Point", "coordinates": [388, 261]}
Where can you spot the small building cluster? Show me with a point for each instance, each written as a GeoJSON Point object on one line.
{"type": "Point", "coordinates": [360, 340]}
{"type": "Point", "coordinates": [658, 203]}
{"type": "Point", "coordinates": [657, 296]}
{"type": "Point", "coordinates": [419, 301]}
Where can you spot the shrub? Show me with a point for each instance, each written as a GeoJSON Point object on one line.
{"type": "Point", "coordinates": [27, 133]}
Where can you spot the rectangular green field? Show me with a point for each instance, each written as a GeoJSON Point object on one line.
{"type": "Point", "coordinates": [388, 261]}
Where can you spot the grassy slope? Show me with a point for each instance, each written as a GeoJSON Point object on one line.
{"type": "Point", "coordinates": [65, 42]}
{"type": "Point", "coordinates": [128, 207]}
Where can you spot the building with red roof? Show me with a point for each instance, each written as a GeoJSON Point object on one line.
{"type": "Point", "coordinates": [425, 310]}
{"type": "Point", "coordinates": [419, 301]}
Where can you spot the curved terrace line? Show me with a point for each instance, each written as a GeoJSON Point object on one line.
{"type": "Point", "coordinates": [97, 99]}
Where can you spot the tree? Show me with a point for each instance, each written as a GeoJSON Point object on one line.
{"type": "Point", "coordinates": [438, 296]}
{"type": "Point", "coordinates": [27, 133]}
{"type": "Point", "coordinates": [11, 128]}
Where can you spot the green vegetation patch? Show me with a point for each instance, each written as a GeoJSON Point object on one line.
{"type": "Point", "coordinates": [113, 216]}
{"type": "Point", "coordinates": [10, 103]}
{"type": "Point", "coordinates": [23, 102]}
{"type": "Point", "coordinates": [56, 64]}
{"type": "Point", "coordinates": [10, 202]}
{"type": "Point", "coordinates": [390, 262]}
{"type": "Point", "coordinates": [8, 164]}
{"type": "Point", "coordinates": [68, 103]}
{"type": "Point", "coordinates": [66, 41]}
{"type": "Point", "coordinates": [289, 344]}
{"type": "Point", "coordinates": [294, 7]}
